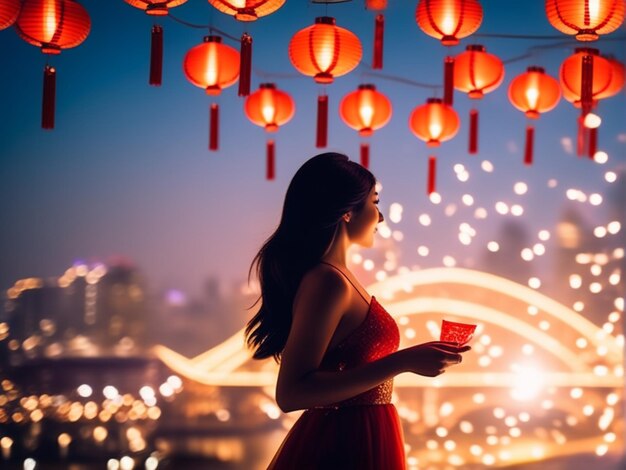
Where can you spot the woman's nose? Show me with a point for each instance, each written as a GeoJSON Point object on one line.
{"type": "Point", "coordinates": [380, 217]}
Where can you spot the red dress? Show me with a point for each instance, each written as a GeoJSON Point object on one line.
{"type": "Point", "coordinates": [363, 432]}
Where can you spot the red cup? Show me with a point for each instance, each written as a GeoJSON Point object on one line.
{"type": "Point", "coordinates": [460, 333]}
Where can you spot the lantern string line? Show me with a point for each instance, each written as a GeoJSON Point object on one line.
{"type": "Point", "coordinates": [477, 35]}
{"type": "Point", "coordinates": [528, 36]}
{"type": "Point", "coordinates": [205, 26]}
{"type": "Point", "coordinates": [186, 23]}
{"type": "Point", "coordinates": [516, 36]}
{"type": "Point", "coordinates": [406, 81]}
{"type": "Point", "coordinates": [265, 74]}
{"type": "Point", "coordinates": [536, 49]}
{"type": "Point", "coordinates": [531, 51]}
{"type": "Point", "coordinates": [518, 58]}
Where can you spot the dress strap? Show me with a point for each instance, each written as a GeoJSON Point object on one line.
{"type": "Point", "coordinates": [344, 275]}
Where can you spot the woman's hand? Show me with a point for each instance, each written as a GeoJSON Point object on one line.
{"type": "Point", "coordinates": [433, 358]}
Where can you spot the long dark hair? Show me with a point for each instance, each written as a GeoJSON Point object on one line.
{"type": "Point", "coordinates": [322, 190]}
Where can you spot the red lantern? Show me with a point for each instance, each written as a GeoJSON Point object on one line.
{"type": "Point", "coordinates": [52, 25]}
{"type": "Point", "coordinates": [324, 51]}
{"type": "Point", "coordinates": [246, 10]}
{"type": "Point", "coordinates": [434, 122]}
{"type": "Point", "coordinates": [156, 8]}
{"type": "Point", "coordinates": [212, 66]}
{"type": "Point", "coordinates": [571, 77]}
{"type": "Point", "coordinates": [585, 78]}
{"type": "Point", "coordinates": [9, 10]}
{"type": "Point", "coordinates": [365, 110]}
{"type": "Point", "coordinates": [376, 4]}
{"type": "Point", "coordinates": [586, 19]}
{"type": "Point", "coordinates": [616, 82]}
{"type": "Point", "coordinates": [270, 108]}
{"type": "Point", "coordinates": [379, 31]}
{"type": "Point", "coordinates": [533, 92]}
{"type": "Point", "coordinates": [476, 72]}
{"type": "Point", "coordinates": [448, 21]}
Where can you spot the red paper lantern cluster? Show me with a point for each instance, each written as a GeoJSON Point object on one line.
{"type": "Point", "coordinates": [212, 66]}
{"type": "Point", "coordinates": [586, 19]}
{"type": "Point", "coordinates": [476, 72]}
{"type": "Point", "coordinates": [52, 25]}
{"type": "Point", "coordinates": [365, 110]}
{"type": "Point", "coordinates": [533, 92]}
{"type": "Point", "coordinates": [434, 122]}
{"type": "Point", "coordinates": [9, 10]}
{"type": "Point", "coordinates": [270, 108]}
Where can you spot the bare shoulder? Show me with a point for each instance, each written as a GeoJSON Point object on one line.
{"type": "Point", "coordinates": [321, 285]}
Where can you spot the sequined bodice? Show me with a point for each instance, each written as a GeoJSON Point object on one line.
{"type": "Point", "coordinates": [375, 338]}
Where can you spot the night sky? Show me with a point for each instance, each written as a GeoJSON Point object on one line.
{"type": "Point", "coordinates": [127, 173]}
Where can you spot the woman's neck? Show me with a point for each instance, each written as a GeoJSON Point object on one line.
{"type": "Point", "coordinates": [335, 261]}
{"type": "Point", "coordinates": [337, 252]}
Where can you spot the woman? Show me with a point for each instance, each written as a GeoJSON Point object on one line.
{"type": "Point", "coordinates": [337, 346]}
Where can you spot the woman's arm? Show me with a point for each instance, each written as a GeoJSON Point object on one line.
{"type": "Point", "coordinates": [322, 300]}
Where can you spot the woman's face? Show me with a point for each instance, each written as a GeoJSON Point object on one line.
{"type": "Point", "coordinates": [362, 225]}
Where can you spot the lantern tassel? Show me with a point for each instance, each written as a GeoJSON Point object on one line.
{"type": "Point", "coordinates": [473, 137]}
{"type": "Point", "coordinates": [593, 142]}
{"type": "Point", "coordinates": [586, 84]}
{"type": "Point", "coordinates": [581, 140]}
{"type": "Point", "coordinates": [379, 30]}
{"type": "Point", "coordinates": [365, 155]}
{"type": "Point", "coordinates": [528, 150]}
{"type": "Point", "coordinates": [214, 126]}
{"type": "Point", "coordinates": [322, 121]}
{"type": "Point", "coordinates": [270, 166]}
{"type": "Point", "coordinates": [245, 64]}
{"type": "Point", "coordinates": [49, 93]}
{"type": "Point", "coordinates": [432, 174]}
{"type": "Point", "coordinates": [156, 56]}
{"type": "Point", "coordinates": [448, 80]}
